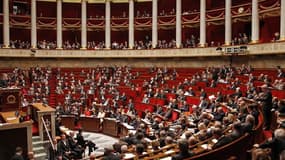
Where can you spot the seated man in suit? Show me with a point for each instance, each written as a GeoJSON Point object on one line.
{"type": "Point", "coordinates": [183, 150]}
{"type": "Point", "coordinates": [63, 148]}
{"type": "Point", "coordinates": [277, 144]}
{"type": "Point", "coordinates": [76, 151]}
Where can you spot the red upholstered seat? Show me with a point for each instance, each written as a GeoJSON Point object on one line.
{"type": "Point", "coordinates": [175, 115]}
{"type": "Point", "coordinates": [170, 96]}
{"type": "Point", "coordinates": [192, 100]}
{"type": "Point", "coordinates": [280, 94]}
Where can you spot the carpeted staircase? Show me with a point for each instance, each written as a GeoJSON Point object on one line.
{"type": "Point", "coordinates": [39, 148]}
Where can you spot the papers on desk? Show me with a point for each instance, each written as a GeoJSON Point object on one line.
{"type": "Point", "coordinates": [169, 152]}
{"type": "Point", "coordinates": [129, 156]}
{"type": "Point", "coordinates": [192, 130]}
{"type": "Point", "coordinates": [214, 140]}
{"type": "Point", "coordinates": [11, 118]}
{"type": "Point", "coordinates": [204, 146]}
{"type": "Point", "coordinates": [129, 127]}
{"type": "Point", "coordinates": [147, 140]}
{"type": "Point", "coordinates": [146, 122]}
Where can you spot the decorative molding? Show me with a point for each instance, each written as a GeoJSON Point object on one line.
{"type": "Point", "coordinates": [253, 49]}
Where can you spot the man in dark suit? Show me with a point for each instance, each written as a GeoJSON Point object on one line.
{"type": "Point", "coordinates": [266, 99]}
{"type": "Point", "coordinates": [277, 144]}
{"type": "Point", "coordinates": [53, 152]}
{"type": "Point", "coordinates": [183, 150]}
{"type": "Point", "coordinates": [221, 139]}
{"type": "Point", "coordinates": [64, 148]}
{"type": "Point", "coordinates": [248, 125]}
{"type": "Point", "coordinates": [110, 155]}
{"type": "Point", "coordinates": [18, 154]}
{"type": "Point", "coordinates": [76, 151]}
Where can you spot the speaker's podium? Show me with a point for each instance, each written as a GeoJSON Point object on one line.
{"type": "Point", "coordinates": [45, 116]}
{"type": "Point", "coordinates": [14, 129]}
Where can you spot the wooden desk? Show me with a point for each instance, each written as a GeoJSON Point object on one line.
{"type": "Point", "coordinates": [9, 117]}
{"type": "Point", "coordinates": [90, 124]}
{"type": "Point", "coordinates": [68, 121]}
{"type": "Point", "coordinates": [13, 135]}
{"type": "Point", "coordinates": [110, 127]}
{"type": "Point", "coordinates": [43, 108]}
{"type": "Point", "coordinates": [124, 129]}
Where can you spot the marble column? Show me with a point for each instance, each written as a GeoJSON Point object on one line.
{"type": "Point", "coordinates": [6, 24]}
{"type": "Point", "coordinates": [154, 24]}
{"type": "Point", "coordinates": [59, 25]}
{"type": "Point", "coordinates": [282, 21]}
{"type": "Point", "coordinates": [33, 24]}
{"type": "Point", "coordinates": [131, 24]}
{"type": "Point", "coordinates": [254, 22]}
{"type": "Point", "coordinates": [108, 24]}
{"type": "Point", "coordinates": [178, 24]}
{"type": "Point", "coordinates": [228, 23]}
{"type": "Point", "coordinates": [83, 24]}
{"type": "Point", "coordinates": [202, 23]}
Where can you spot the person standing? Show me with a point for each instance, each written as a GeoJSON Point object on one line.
{"type": "Point", "coordinates": [265, 98]}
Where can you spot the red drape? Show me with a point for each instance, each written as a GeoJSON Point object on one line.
{"type": "Point", "coordinates": [72, 36]}
{"type": "Point", "coordinates": [48, 35]}
{"type": "Point", "coordinates": [20, 34]}
{"type": "Point", "coordinates": [94, 10]}
{"type": "Point", "coordinates": [190, 5]}
{"type": "Point", "coordinates": [215, 33]}
{"type": "Point", "coordinates": [167, 35]}
{"type": "Point", "coordinates": [143, 7]}
{"type": "Point", "coordinates": [71, 10]}
{"type": "Point", "coordinates": [119, 36]}
{"type": "Point", "coordinates": [268, 27]}
{"type": "Point", "coordinates": [97, 36]}
{"type": "Point", "coordinates": [1, 34]}
{"type": "Point", "coordinates": [46, 9]}
{"type": "Point", "coordinates": [117, 9]}
{"type": "Point", "coordinates": [142, 34]}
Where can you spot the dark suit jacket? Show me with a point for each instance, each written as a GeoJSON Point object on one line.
{"type": "Point", "coordinates": [222, 141]}
{"type": "Point", "coordinates": [52, 154]}
{"type": "Point", "coordinates": [80, 140]}
{"type": "Point", "coordinates": [181, 156]}
{"type": "Point", "coordinates": [62, 148]}
{"type": "Point", "coordinates": [17, 157]}
{"type": "Point", "coordinates": [276, 145]}
{"type": "Point", "coordinates": [111, 156]}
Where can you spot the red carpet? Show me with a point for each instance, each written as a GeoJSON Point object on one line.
{"type": "Point", "coordinates": [35, 129]}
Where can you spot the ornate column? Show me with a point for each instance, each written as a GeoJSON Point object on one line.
{"type": "Point", "coordinates": [228, 23]}
{"type": "Point", "coordinates": [154, 23]}
{"type": "Point", "coordinates": [6, 24]}
{"type": "Point", "coordinates": [131, 24]}
{"type": "Point", "coordinates": [178, 23]}
{"type": "Point", "coordinates": [83, 24]}
{"type": "Point", "coordinates": [34, 24]}
{"type": "Point", "coordinates": [108, 24]}
{"type": "Point", "coordinates": [202, 23]}
{"type": "Point", "coordinates": [282, 21]}
{"type": "Point", "coordinates": [254, 22]}
{"type": "Point", "coordinates": [59, 25]}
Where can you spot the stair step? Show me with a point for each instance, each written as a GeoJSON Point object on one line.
{"type": "Point", "coordinates": [40, 156]}
{"type": "Point", "coordinates": [38, 150]}
{"type": "Point", "coordinates": [39, 143]}
{"type": "Point", "coordinates": [36, 138]}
